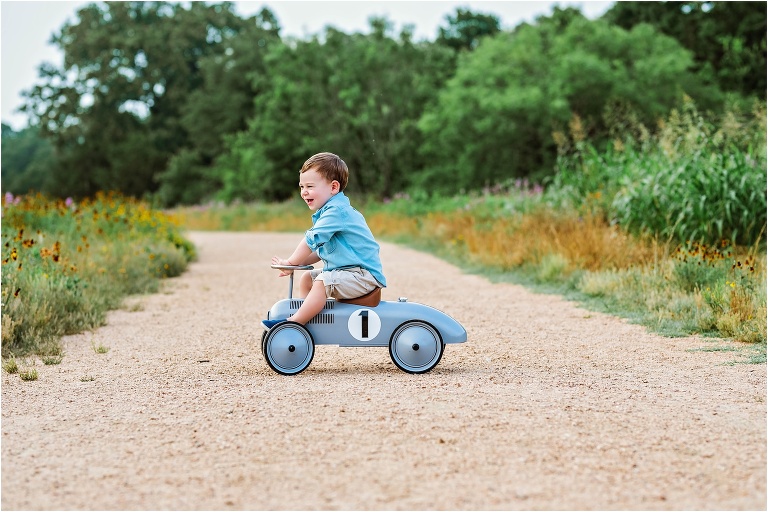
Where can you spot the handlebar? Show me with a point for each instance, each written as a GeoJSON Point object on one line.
{"type": "Point", "coordinates": [292, 267]}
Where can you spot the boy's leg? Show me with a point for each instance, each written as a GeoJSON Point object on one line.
{"type": "Point", "coordinates": [313, 303]}
{"type": "Point", "coordinates": [305, 284]}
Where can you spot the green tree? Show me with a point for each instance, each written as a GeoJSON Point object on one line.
{"type": "Point", "coordinates": [728, 39]}
{"type": "Point", "coordinates": [115, 109]}
{"type": "Point", "coordinates": [466, 28]}
{"type": "Point", "coordinates": [221, 106]}
{"type": "Point", "coordinates": [27, 159]}
{"type": "Point", "coordinates": [495, 118]}
{"type": "Point", "coordinates": [356, 95]}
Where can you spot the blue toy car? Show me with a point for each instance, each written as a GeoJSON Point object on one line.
{"type": "Point", "coordinates": [416, 334]}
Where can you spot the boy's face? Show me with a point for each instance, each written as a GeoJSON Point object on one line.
{"type": "Point", "coordinates": [316, 190]}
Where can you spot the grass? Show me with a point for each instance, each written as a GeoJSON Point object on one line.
{"type": "Point", "coordinates": [100, 348]}
{"type": "Point", "coordinates": [11, 366]}
{"type": "Point", "coordinates": [50, 360]}
{"type": "Point", "coordinates": [28, 375]}
{"type": "Point", "coordinates": [242, 217]}
{"type": "Point", "coordinates": [66, 263]}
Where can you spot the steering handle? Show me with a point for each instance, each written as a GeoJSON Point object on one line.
{"type": "Point", "coordinates": [292, 267]}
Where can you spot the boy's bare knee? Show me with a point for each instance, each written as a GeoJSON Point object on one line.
{"type": "Point", "coordinates": [305, 283]}
{"type": "Point", "coordinates": [317, 288]}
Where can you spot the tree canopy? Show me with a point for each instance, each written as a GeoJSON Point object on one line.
{"type": "Point", "coordinates": [189, 102]}
{"type": "Point", "coordinates": [494, 119]}
{"type": "Point", "coordinates": [727, 38]}
{"type": "Point", "coordinates": [116, 109]}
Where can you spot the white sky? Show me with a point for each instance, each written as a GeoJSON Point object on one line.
{"type": "Point", "coordinates": [27, 26]}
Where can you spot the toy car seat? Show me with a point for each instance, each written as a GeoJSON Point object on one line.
{"type": "Point", "coordinates": [370, 299]}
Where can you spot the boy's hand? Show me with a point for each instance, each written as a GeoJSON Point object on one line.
{"type": "Point", "coordinates": [280, 261]}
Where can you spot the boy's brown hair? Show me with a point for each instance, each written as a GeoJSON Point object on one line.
{"type": "Point", "coordinates": [329, 166]}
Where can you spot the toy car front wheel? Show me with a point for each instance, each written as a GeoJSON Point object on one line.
{"type": "Point", "coordinates": [288, 348]}
{"type": "Point", "coordinates": [416, 347]}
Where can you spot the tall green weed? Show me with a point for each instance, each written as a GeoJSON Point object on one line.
{"type": "Point", "coordinates": [690, 181]}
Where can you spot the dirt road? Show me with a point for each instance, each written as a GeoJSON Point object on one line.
{"type": "Point", "coordinates": [547, 406]}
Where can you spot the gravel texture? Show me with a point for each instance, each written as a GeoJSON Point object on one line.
{"type": "Point", "coordinates": [547, 406]}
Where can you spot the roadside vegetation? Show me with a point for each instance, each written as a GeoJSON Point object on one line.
{"type": "Point", "coordinates": [66, 263]}
{"type": "Point", "coordinates": [667, 230]}
{"type": "Point", "coordinates": [620, 160]}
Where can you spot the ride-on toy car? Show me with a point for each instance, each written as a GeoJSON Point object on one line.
{"type": "Point", "coordinates": [416, 334]}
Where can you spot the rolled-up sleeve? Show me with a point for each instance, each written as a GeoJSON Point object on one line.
{"type": "Point", "coordinates": [330, 222]}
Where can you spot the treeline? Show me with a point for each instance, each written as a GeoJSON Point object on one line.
{"type": "Point", "coordinates": [183, 103]}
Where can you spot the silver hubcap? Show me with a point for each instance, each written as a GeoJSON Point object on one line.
{"type": "Point", "coordinates": [289, 348]}
{"type": "Point", "coordinates": [416, 346]}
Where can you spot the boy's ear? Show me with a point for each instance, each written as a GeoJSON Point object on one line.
{"type": "Point", "coordinates": [335, 186]}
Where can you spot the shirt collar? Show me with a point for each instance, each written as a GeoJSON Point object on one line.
{"type": "Point", "coordinates": [338, 200]}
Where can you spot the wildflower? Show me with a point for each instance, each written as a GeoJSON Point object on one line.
{"type": "Point", "coordinates": [16, 293]}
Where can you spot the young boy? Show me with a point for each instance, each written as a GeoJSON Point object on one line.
{"type": "Point", "coordinates": [339, 237]}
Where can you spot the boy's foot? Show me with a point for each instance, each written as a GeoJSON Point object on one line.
{"type": "Point", "coordinates": [268, 324]}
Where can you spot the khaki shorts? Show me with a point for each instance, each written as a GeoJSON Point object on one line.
{"type": "Point", "coordinates": [347, 283]}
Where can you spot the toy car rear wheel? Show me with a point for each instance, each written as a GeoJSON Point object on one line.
{"type": "Point", "coordinates": [416, 347]}
{"type": "Point", "coordinates": [288, 348]}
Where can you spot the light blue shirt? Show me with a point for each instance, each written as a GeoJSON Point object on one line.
{"type": "Point", "coordinates": [341, 238]}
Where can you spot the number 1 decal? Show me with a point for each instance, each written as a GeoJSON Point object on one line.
{"type": "Point", "coordinates": [364, 315]}
{"type": "Point", "coordinates": [364, 324]}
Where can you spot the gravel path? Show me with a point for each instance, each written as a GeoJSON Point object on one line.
{"type": "Point", "coordinates": [547, 406]}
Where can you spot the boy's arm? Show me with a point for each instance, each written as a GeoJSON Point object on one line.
{"type": "Point", "coordinates": [303, 255]}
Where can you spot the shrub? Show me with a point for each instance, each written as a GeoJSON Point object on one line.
{"type": "Point", "coordinates": [65, 264]}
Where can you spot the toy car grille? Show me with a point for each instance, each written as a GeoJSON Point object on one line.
{"type": "Point", "coordinates": [322, 318]}
{"type": "Point", "coordinates": [296, 304]}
